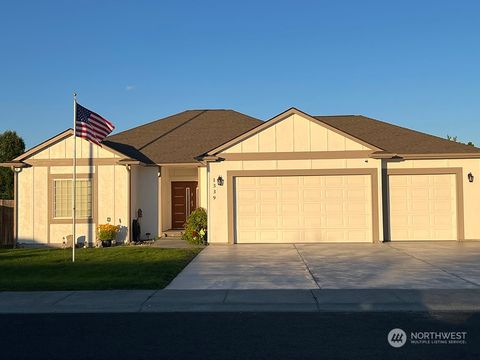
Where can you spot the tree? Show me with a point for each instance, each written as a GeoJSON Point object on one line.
{"type": "Point", "coordinates": [455, 139]}
{"type": "Point", "coordinates": [11, 146]}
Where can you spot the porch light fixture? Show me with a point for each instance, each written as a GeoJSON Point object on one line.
{"type": "Point", "coordinates": [220, 181]}
{"type": "Point", "coordinates": [470, 177]}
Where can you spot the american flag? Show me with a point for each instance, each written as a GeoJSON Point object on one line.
{"type": "Point", "coordinates": [91, 126]}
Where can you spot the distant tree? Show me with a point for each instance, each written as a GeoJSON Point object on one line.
{"type": "Point", "coordinates": [11, 146]}
{"type": "Point", "coordinates": [455, 139]}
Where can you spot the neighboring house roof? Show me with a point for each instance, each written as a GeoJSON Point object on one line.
{"type": "Point", "coordinates": [394, 139]}
{"type": "Point", "coordinates": [181, 137]}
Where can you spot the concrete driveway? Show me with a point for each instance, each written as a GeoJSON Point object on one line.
{"type": "Point", "coordinates": [419, 265]}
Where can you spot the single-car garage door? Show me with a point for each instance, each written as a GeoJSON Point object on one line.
{"type": "Point", "coordinates": [423, 207]}
{"type": "Point", "coordinates": [289, 209]}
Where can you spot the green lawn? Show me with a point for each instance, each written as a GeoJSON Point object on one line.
{"type": "Point", "coordinates": [94, 269]}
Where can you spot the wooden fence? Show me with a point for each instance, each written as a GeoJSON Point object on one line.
{"type": "Point", "coordinates": [7, 213]}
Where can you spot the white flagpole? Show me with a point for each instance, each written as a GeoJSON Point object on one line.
{"type": "Point", "coordinates": [74, 182]}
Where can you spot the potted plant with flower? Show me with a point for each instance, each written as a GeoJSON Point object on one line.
{"type": "Point", "coordinates": [106, 233]}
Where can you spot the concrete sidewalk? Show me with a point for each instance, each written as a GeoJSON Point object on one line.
{"type": "Point", "coordinates": [315, 300]}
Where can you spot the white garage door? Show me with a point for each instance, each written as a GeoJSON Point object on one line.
{"type": "Point", "coordinates": [423, 207]}
{"type": "Point", "coordinates": [289, 209]}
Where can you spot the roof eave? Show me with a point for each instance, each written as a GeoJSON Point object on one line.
{"type": "Point", "coordinates": [383, 155]}
{"type": "Point", "coordinates": [14, 164]}
{"type": "Point", "coordinates": [419, 156]}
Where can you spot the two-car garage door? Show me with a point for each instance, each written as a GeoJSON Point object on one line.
{"type": "Point", "coordinates": [289, 209]}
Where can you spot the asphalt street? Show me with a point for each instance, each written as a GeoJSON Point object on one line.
{"type": "Point", "coordinates": [360, 335]}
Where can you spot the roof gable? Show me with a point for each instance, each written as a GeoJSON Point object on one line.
{"type": "Point", "coordinates": [291, 131]}
{"type": "Point", "coordinates": [58, 144]}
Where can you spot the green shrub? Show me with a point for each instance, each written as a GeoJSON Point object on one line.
{"type": "Point", "coordinates": [196, 227]}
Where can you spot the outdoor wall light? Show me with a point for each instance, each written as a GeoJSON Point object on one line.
{"type": "Point", "coordinates": [470, 177]}
{"type": "Point", "coordinates": [220, 181]}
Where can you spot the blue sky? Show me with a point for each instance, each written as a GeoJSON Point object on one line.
{"type": "Point", "coordinates": [413, 63]}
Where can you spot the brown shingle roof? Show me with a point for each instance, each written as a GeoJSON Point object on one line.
{"type": "Point", "coordinates": [181, 137]}
{"type": "Point", "coordinates": [392, 138]}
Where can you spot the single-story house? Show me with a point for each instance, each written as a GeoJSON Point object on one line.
{"type": "Point", "coordinates": [295, 178]}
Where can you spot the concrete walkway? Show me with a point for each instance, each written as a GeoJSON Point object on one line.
{"type": "Point", "coordinates": [399, 265]}
{"type": "Point", "coordinates": [128, 301]}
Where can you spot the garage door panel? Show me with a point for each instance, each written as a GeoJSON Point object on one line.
{"type": "Point", "coordinates": [442, 205]}
{"type": "Point", "coordinates": [247, 195]}
{"type": "Point", "coordinates": [357, 180]}
{"type": "Point", "coordinates": [334, 194]}
{"type": "Point", "coordinates": [268, 195]}
{"type": "Point", "coordinates": [309, 181]}
{"type": "Point", "coordinates": [443, 221]}
{"type": "Point", "coordinates": [359, 236]}
{"type": "Point", "coordinates": [334, 181]}
{"type": "Point", "coordinates": [314, 208]}
{"type": "Point", "coordinates": [289, 208]}
{"type": "Point", "coordinates": [358, 221]}
{"type": "Point", "coordinates": [335, 236]}
{"type": "Point", "coordinates": [267, 236]}
{"type": "Point", "coordinates": [422, 207]}
{"type": "Point", "coordinates": [397, 221]}
{"type": "Point", "coordinates": [354, 206]}
{"type": "Point", "coordinates": [419, 180]}
{"type": "Point", "coordinates": [334, 220]}
{"type": "Point", "coordinates": [247, 222]}
{"type": "Point", "coordinates": [267, 222]}
{"type": "Point", "coordinates": [312, 195]}
{"type": "Point", "coordinates": [419, 194]}
{"type": "Point", "coordinates": [420, 220]}
{"type": "Point", "coordinates": [333, 207]}
{"type": "Point", "coordinates": [312, 222]}
{"type": "Point", "coordinates": [304, 209]}
{"type": "Point", "coordinates": [267, 181]}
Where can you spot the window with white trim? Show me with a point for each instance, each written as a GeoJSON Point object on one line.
{"type": "Point", "coordinates": [62, 199]}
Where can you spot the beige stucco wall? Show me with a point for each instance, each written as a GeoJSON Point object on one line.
{"type": "Point", "coordinates": [295, 134]}
{"type": "Point", "coordinates": [33, 202]}
{"type": "Point", "coordinates": [202, 187]}
{"type": "Point", "coordinates": [471, 191]}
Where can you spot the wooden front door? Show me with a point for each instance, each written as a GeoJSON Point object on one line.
{"type": "Point", "coordinates": [184, 201]}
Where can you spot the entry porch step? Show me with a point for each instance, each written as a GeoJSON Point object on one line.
{"type": "Point", "coordinates": [173, 233]}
